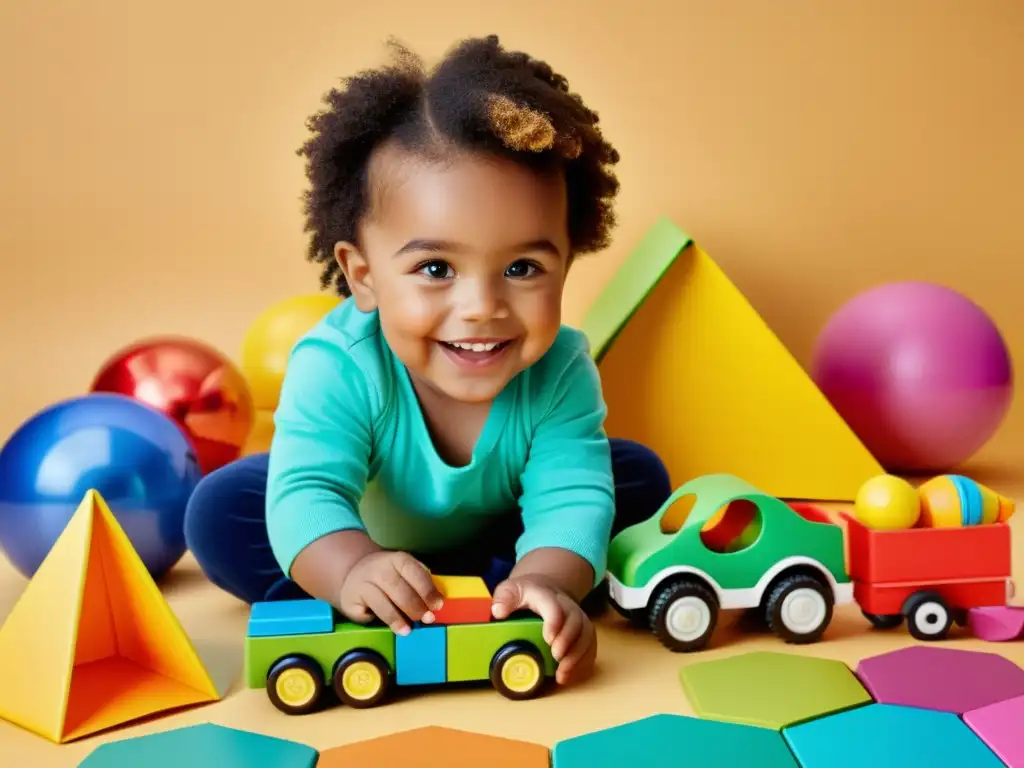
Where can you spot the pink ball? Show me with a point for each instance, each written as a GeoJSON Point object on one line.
{"type": "Point", "coordinates": [919, 372]}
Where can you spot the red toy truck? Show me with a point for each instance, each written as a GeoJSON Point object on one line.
{"type": "Point", "coordinates": [930, 576]}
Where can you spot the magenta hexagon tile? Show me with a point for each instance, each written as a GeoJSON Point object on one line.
{"type": "Point", "coordinates": [999, 725]}
{"type": "Point", "coordinates": [942, 679]}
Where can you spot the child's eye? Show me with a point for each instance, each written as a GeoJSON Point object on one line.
{"type": "Point", "coordinates": [521, 268]}
{"type": "Point", "coordinates": [435, 270]}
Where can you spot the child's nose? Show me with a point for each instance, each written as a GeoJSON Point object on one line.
{"type": "Point", "coordinates": [479, 300]}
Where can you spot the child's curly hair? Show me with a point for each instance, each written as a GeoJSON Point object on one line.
{"type": "Point", "coordinates": [480, 97]}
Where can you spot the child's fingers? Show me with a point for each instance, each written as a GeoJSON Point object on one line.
{"type": "Point", "coordinates": [544, 602]}
{"type": "Point", "coordinates": [418, 577]}
{"type": "Point", "coordinates": [401, 593]}
{"type": "Point", "coordinates": [568, 634]}
{"type": "Point", "coordinates": [507, 598]}
{"type": "Point", "coordinates": [385, 610]}
{"type": "Point", "coordinates": [578, 660]}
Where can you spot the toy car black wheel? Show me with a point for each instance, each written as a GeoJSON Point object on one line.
{"type": "Point", "coordinates": [684, 615]}
{"type": "Point", "coordinates": [632, 615]}
{"type": "Point", "coordinates": [884, 620]}
{"type": "Point", "coordinates": [295, 684]}
{"type": "Point", "coordinates": [517, 670]}
{"type": "Point", "coordinates": [361, 678]}
{"type": "Point", "coordinates": [928, 616]}
{"type": "Point", "coordinates": [799, 608]}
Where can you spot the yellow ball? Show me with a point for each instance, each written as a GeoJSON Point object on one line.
{"type": "Point", "coordinates": [269, 341]}
{"type": "Point", "coordinates": [887, 502]}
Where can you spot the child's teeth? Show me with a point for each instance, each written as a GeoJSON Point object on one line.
{"type": "Point", "coordinates": [476, 347]}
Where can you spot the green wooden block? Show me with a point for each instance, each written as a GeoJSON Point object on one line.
{"type": "Point", "coordinates": [771, 690]}
{"type": "Point", "coordinates": [202, 746]}
{"type": "Point", "coordinates": [324, 648]}
{"type": "Point", "coordinates": [472, 646]}
{"type": "Point", "coordinates": [631, 284]}
{"type": "Point", "coordinates": [675, 741]}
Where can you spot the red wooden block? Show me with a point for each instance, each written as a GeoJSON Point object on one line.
{"type": "Point", "coordinates": [464, 610]}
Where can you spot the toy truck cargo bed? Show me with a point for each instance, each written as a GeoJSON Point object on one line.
{"type": "Point", "coordinates": [951, 569]}
{"type": "Point", "coordinates": [928, 554]}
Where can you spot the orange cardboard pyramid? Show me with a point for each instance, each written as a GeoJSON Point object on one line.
{"type": "Point", "coordinates": [690, 369]}
{"type": "Point", "coordinates": [91, 642]}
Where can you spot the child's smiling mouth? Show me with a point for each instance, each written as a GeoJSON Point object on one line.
{"type": "Point", "coordinates": [476, 352]}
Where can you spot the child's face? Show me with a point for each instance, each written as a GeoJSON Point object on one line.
{"type": "Point", "coordinates": [471, 253]}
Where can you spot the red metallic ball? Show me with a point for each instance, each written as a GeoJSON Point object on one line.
{"type": "Point", "coordinates": [192, 383]}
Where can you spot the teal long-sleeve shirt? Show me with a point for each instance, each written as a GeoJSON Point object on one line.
{"type": "Point", "coordinates": [351, 450]}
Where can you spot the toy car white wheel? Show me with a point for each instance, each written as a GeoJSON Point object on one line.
{"type": "Point", "coordinates": [799, 608]}
{"type": "Point", "coordinates": [928, 618]}
{"type": "Point", "coordinates": [684, 615]}
{"type": "Point", "coordinates": [688, 618]}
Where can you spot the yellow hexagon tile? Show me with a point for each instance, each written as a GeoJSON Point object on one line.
{"type": "Point", "coordinates": [771, 690]}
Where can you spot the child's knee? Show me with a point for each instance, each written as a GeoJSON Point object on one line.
{"type": "Point", "coordinates": [638, 465]}
{"type": "Point", "coordinates": [217, 505]}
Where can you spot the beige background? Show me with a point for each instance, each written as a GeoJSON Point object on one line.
{"type": "Point", "coordinates": [149, 184]}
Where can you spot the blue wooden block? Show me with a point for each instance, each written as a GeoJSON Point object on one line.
{"type": "Point", "coordinates": [888, 735]}
{"type": "Point", "coordinates": [675, 741]}
{"type": "Point", "coordinates": [421, 657]}
{"type": "Point", "coordinates": [291, 617]}
{"type": "Point", "coordinates": [202, 746]}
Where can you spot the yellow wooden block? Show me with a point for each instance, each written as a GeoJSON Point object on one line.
{"type": "Point", "coordinates": [91, 642]}
{"type": "Point", "coordinates": [455, 587]}
{"type": "Point", "coordinates": [691, 370]}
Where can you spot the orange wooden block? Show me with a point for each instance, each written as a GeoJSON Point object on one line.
{"type": "Point", "coordinates": [436, 747]}
{"type": "Point", "coordinates": [466, 600]}
{"type": "Point", "coordinates": [91, 642]}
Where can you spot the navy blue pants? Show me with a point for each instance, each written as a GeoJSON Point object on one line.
{"type": "Point", "coordinates": [226, 531]}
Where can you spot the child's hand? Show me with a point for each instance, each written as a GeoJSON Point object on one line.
{"type": "Point", "coordinates": [393, 586]}
{"type": "Point", "coordinates": [567, 629]}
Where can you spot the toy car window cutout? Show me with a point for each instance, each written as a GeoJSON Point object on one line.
{"type": "Point", "coordinates": [733, 528]}
{"type": "Point", "coordinates": [673, 518]}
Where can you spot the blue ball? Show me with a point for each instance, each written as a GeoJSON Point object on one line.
{"type": "Point", "coordinates": [138, 459]}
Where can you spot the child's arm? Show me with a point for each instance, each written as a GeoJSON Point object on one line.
{"type": "Point", "coordinates": [568, 498]}
{"type": "Point", "coordinates": [568, 505]}
{"type": "Point", "coordinates": [319, 464]}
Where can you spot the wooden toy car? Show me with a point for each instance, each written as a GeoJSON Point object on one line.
{"type": "Point", "coordinates": [719, 543]}
{"type": "Point", "coordinates": [930, 576]}
{"type": "Point", "coordinates": [300, 649]}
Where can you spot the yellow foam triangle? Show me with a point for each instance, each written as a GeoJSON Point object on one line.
{"type": "Point", "coordinates": [109, 646]}
{"type": "Point", "coordinates": [698, 376]}
{"type": "Point", "coordinates": [37, 640]}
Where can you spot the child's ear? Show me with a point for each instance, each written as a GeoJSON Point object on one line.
{"type": "Point", "coordinates": [357, 274]}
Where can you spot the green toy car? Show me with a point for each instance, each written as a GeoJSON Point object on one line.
{"type": "Point", "coordinates": [718, 543]}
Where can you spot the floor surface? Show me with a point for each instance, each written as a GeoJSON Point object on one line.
{"type": "Point", "coordinates": [636, 676]}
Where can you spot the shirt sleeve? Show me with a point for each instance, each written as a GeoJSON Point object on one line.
{"type": "Point", "coordinates": [320, 452]}
{"type": "Point", "coordinates": [568, 490]}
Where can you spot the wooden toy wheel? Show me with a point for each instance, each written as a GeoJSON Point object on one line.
{"type": "Point", "coordinates": [517, 670]}
{"type": "Point", "coordinates": [883, 621]}
{"type": "Point", "coordinates": [295, 684]}
{"type": "Point", "coordinates": [361, 679]}
{"type": "Point", "coordinates": [684, 615]}
{"type": "Point", "coordinates": [928, 616]}
{"type": "Point", "coordinates": [799, 608]}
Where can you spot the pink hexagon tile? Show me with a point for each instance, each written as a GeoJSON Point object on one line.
{"type": "Point", "coordinates": [1001, 727]}
{"type": "Point", "coordinates": [942, 679]}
